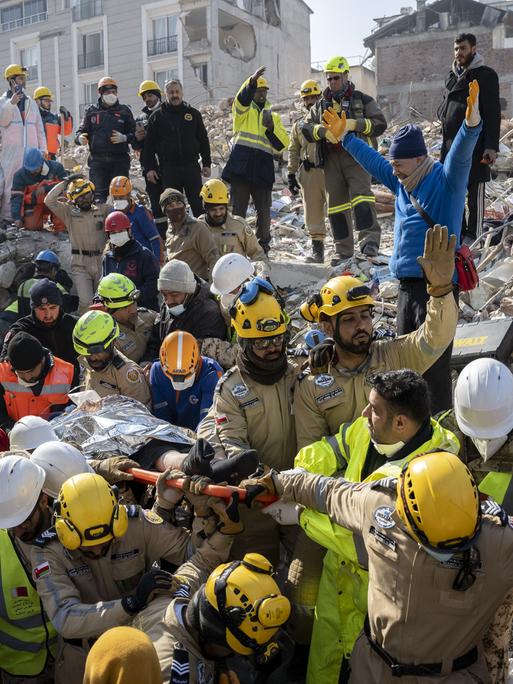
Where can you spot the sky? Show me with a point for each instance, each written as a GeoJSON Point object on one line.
{"type": "Point", "coordinates": [338, 28]}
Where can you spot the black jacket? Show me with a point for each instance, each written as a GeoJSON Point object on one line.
{"type": "Point", "coordinates": [175, 136]}
{"type": "Point", "coordinates": [58, 338]}
{"type": "Point", "coordinates": [140, 145]}
{"type": "Point", "coordinates": [202, 318]}
{"type": "Point", "coordinates": [99, 122]}
{"type": "Point", "coordinates": [451, 113]}
{"type": "Point", "coordinates": [139, 264]}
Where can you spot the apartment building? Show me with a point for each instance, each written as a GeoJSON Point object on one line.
{"type": "Point", "coordinates": [211, 45]}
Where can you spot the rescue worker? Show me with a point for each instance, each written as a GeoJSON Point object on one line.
{"type": "Point", "coordinates": [461, 560]}
{"type": "Point", "coordinates": [196, 630]}
{"type": "Point", "coordinates": [176, 138]}
{"type": "Point", "coordinates": [128, 257]}
{"type": "Point", "coordinates": [187, 238]}
{"type": "Point", "coordinates": [183, 381]}
{"type": "Point", "coordinates": [141, 220]}
{"type": "Point", "coordinates": [228, 276]}
{"type": "Point", "coordinates": [252, 406]}
{"type": "Point", "coordinates": [48, 322]}
{"type": "Point", "coordinates": [347, 184]}
{"type": "Point", "coordinates": [231, 233]}
{"type": "Point", "coordinates": [118, 296]}
{"type": "Point", "coordinates": [30, 185]}
{"type": "Point", "coordinates": [72, 202]}
{"type": "Point", "coordinates": [94, 569]}
{"type": "Point", "coordinates": [30, 432]}
{"type": "Point", "coordinates": [305, 174]}
{"type": "Point", "coordinates": [186, 305]}
{"type": "Point", "coordinates": [394, 427]}
{"type": "Point", "coordinates": [54, 125]}
{"type": "Point", "coordinates": [108, 128]}
{"type": "Point", "coordinates": [258, 134]}
{"type": "Point", "coordinates": [32, 381]}
{"type": "Point", "coordinates": [151, 95]}
{"type": "Point", "coordinates": [337, 390]}
{"type": "Point", "coordinates": [21, 127]}
{"type": "Point", "coordinates": [107, 371]}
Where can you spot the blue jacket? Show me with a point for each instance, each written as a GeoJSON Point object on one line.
{"type": "Point", "coordinates": [137, 263]}
{"type": "Point", "coordinates": [144, 229]}
{"type": "Point", "coordinates": [441, 194]}
{"type": "Point", "coordinates": [25, 184]}
{"type": "Point", "coordinates": [188, 407]}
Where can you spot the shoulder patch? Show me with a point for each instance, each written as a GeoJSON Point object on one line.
{"type": "Point", "coordinates": [118, 362]}
{"type": "Point", "coordinates": [180, 667]}
{"type": "Point", "coordinates": [240, 391]}
{"type": "Point", "coordinates": [324, 380]}
{"type": "Point", "coordinates": [41, 570]}
{"type": "Point", "coordinates": [335, 392]}
{"type": "Point", "coordinates": [388, 483]}
{"type": "Point", "coordinates": [45, 537]}
{"type": "Point", "coordinates": [152, 517]}
{"type": "Point", "coordinates": [383, 517]}
{"type": "Point", "coordinates": [133, 511]}
{"type": "Point", "coordinates": [224, 378]}
{"type": "Point", "coordinates": [304, 374]}
{"type": "Point", "coordinates": [133, 375]}
{"type": "Point", "coordinates": [188, 117]}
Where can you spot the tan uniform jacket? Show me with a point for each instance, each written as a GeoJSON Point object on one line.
{"type": "Point", "coordinates": [414, 613]}
{"type": "Point", "coordinates": [323, 402]}
{"type": "Point", "coordinates": [300, 149]}
{"type": "Point", "coordinates": [122, 376]}
{"type": "Point", "coordinates": [235, 236]}
{"type": "Point", "coordinates": [132, 342]}
{"type": "Point", "coordinates": [194, 244]}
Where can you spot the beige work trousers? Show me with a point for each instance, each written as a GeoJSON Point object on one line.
{"type": "Point", "coordinates": [86, 272]}
{"type": "Point", "coordinates": [313, 191]}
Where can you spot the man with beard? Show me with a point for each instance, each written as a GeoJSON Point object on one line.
{"type": "Point", "coordinates": [32, 381]}
{"type": "Point", "coordinates": [344, 362]}
{"type": "Point", "coordinates": [175, 139]}
{"type": "Point", "coordinates": [107, 370]}
{"type": "Point", "coordinates": [58, 127]}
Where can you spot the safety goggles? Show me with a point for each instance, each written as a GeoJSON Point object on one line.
{"type": "Point", "coordinates": [127, 298]}
{"type": "Point", "coordinates": [261, 343]}
{"type": "Point", "coordinates": [308, 91]}
{"type": "Point", "coordinates": [251, 290]}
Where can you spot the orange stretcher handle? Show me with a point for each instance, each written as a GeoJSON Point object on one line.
{"type": "Point", "coordinates": [221, 491]}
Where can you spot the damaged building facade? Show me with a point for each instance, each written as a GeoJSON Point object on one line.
{"type": "Point", "coordinates": [414, 51]}
{"type": "Point", "coordinates": [211, 45]}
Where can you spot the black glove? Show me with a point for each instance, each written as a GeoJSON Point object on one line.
{"type": "Point", "coordinates": [197, 461]}
{"type": "Point", "coordinates": [64, 112]}
{"type": "Point", "coordinates": [233, 470]}
{"type": "Point", "coordinates": [151, 582]}
{"type": "Point", "coordinates": [294, 186]}
{"type": "Point", "coordinates": [322, 355]}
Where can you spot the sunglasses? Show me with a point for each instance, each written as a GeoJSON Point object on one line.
{"type": "Point", "coordinates": [266, 342]}
{"type": "Point", "coordinates": [333, 78]}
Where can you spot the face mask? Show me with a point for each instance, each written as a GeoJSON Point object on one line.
{"type": "Point", "coordinates": [176, 215]}
{"type": "Point", "coordinates": [489, 447]}
{"type": "Point", "coordinates": [119, 239]}
{"type": "Point", "coordinates": [227, 300]}
{"type": "Point", "coordinates": [45, 168]}
{"type": "Point", "coordinates": [121, 205]}
{"type": "Point", "coordinates": [156, 106]}
{"type": "Point", "coordinates": [188, 382]}
{"type": "Point", "coordinates": [441, 557]}
{"type": "Point", "coordinates": [388, 450]}
{"type": "Point", "coordinates": [110, 98]}
{"type": "Point", "coordinates": [176, 310]}
{"type": "Point", "coordinates": [24, 383]}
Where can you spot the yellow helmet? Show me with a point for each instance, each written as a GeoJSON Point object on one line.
{"type": "Point", "coordinates": [256, 312]}
{"type": "Point", "coordinates": [14, 70]}
{"type": "Point", "coordinates": [310, 87]}
{"type": "Point", "coordinates": [94, 332]}
{"type": "Point", "coordinates": [262, 82]}
{"type": "Point", "coordinates": [214, 191]}
{"type": "Point", "coordinates": [42, 91]}
{"type": "Point", "coordinates": [438, 501]}
{"type": "Point", "coordinates": [87, 512]}
{"type": "Point", "coordinates": [337, 295]}
{"type": "Point", "coordinates": [116, 291]}
{"type": "Point", "coordinates": [146, 86]}
{"type": "Point", "coordinates": [79, 187]}
{"type": "Point", "coordinates": [337, 65]}
{"type": "Point", "coordinates": [245, 606]}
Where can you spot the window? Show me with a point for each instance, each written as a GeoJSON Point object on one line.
{"type": "Point", "coordinates": [166, 75]}
{"type": "Point", "coordinates": [23, 14]}
{"type": "Point", "coordinates": [90, 50]}
{"type": "Point", "coordinates": [29, 58]}
{"type": "Point", "coordinates": [201, 72]}
{"type": "Point", "coordinates": [164, 27]}
{"type": "Point", "coordinates": [164, 36]}
{"type": "Point", "coordinates": [90, 96]}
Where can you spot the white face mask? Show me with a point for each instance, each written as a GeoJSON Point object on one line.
{"type": "Point", "coordinates": [188, 382]}
{"type": "Point", "coordinates": [44, 169]}
{"type": "Point", "coordinates": [176, 310]}
{"type": "Point", "coordinates": [388, 450]}
{"type": "Point", "coordinates": [110, 98]}
{"type": "Point", "coordinates": [227, 300]}
{"type": "Point", "coordinates": [489, 447]}
{"type": "Point", "coordinates": [24, 383]}
{"type": "Point", "coordinates": [121, 205]}
{"type": "Point", "coordinates": [119, 239]}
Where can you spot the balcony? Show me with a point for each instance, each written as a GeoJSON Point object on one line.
{"type": "Point", "coordinates": [24, 21]}
{"type": "Point", "coordinates": [89, 60]}
{"type": "Point", "coordinates": [32, 73]}
{"type": "Point", "coordinates": [162, 46]}
{"type": "Point", "coordinates": [86, 9]}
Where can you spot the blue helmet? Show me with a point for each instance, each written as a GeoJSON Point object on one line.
{"type": "Point", "coordinates": [33, 159]}
{"type": "Point", "coordinates": [48, 256]}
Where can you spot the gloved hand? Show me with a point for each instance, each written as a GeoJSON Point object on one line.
{"type": "Point", "coordinates": [168, 497]}
{"type": "Point", "coordinates": [267, 119]}
{"type": "Point", "coordinates": [228, 514]}
{"type": "Point", "coordinates": [294, 186]}
{"type": "Point", "coordinates": [64, 112]}
{"type": "Point", "coordinates": [322, 355]}
{"type": "Point", "coordinates": [192, 488]}
{"type": "Point", "coordinates": [267, 484]}
{"type": "Point", "coordinates": [83, 139]}
{"type": "Point", "coordinates": [117, 137]}
{"type": "Point", "coordinates": [113, 469]}
{"type": "Point", "coordinates": [437, 261]}
{"type": "Point", "coordinates": [284, 513]}
{"type": "Point", "coordinates": [350, 125]}
{"type": "Point", "coordinates": [491, 507]}
{"type": "Point", "coordinates": [334, 123]}
{"type": "Point", "coordinates": [472, 115]}
{"type": "Point", "coordinates": [254, 77]}
{"type": "Point", "coordinates": [197, 461]}
{"type": "Point", "coordinates": [151, 583]}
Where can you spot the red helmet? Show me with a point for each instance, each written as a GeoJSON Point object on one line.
{"type": "Point", "coordinates": [117, 222]}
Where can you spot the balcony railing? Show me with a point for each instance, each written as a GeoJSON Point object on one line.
{"type": "Point", "coordinates": [90, 60]}
{"type": "Point", "coordinates": [161, 46]}
{"type": "Point", "coordinates": [85, 9]}
{"type": "Point", "coordinates": [32, 73]}
{"type": "Point", "coordinates": [24, 21]}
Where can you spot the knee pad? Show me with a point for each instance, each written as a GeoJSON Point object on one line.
{"type": "Point", "coordinates": [364, 216]}
{"type": "Point", "coordinates": [339, 226]}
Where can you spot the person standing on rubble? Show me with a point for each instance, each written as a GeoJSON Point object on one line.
{"type": "Point", "coordinates": [307, 176]}
{"type": "Point", "coordinates": [258, 134]}
{"type": "Point", "coordinates": [347, 184]}
{"type": "Point", "coordinates": [468, 66]}
{"type": "Point", "coordinates": [176, 138]}
{"type": "Point", "coordinates": [58, 127]}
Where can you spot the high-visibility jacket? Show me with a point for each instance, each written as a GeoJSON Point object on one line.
{"type": "Point", "coordinates": [500, 487]}
{"type": "Point", "coordinates": [54, 130]}
{"type": "Point", "coordinates": [27, 637]}
{"type": "Point", "coordinates": [24, 297]}
{"type": "Point", "coordinates": [342, 600]}
{"type": "Point", "coordinates": [21, 401]}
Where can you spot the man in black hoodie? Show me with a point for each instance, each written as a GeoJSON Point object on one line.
{"type": "Point", "coordinates": [175, 138]}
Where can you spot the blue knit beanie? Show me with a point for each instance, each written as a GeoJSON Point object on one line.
{"type": "Point", "coordinates": [407, 143]}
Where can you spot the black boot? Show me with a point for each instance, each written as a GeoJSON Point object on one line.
{"type": "Point", "coordinates": [317, 256]}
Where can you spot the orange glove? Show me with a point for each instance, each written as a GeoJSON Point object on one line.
{"type": "Point", "coordinates": [334, 123]}
{"type": "Point", "coordinates": [472, 115]}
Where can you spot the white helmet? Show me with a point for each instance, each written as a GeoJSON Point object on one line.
{"type": "Point", "coordinates": [229, 272]}
{"type": "Point", "coordinates": [60, 461]}
{"type": "Point", "coordinates": [31, 431]}
{"type": "Point", "coordinates": [483, 399]}
{"type": "Point", "coordinates": [21, 482]}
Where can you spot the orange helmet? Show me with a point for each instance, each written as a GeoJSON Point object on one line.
{"type": "Point", "coordinates": [120, 186]}
{"type": "Point", "coordinates": [106, 81]}
{"type": "Point", "coordinates": [180, 359]}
